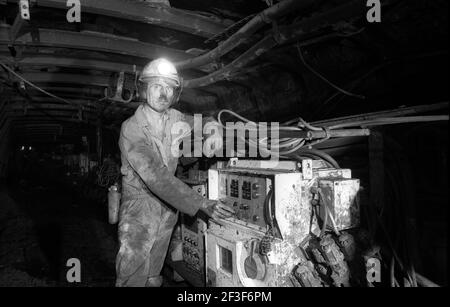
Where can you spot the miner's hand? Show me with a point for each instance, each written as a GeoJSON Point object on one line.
{"type": "Point", "coordinates": [216, 210]}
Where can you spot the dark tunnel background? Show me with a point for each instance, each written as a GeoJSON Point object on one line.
{"type": "Point", "coordinates": [53, 190]}
{"type": "Point", "coordinates": [52, 212]}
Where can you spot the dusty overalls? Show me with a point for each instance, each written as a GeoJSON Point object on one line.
{"type": "Point", "coordinates": [151, 196]}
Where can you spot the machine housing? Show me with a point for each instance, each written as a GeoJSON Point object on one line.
{"type": "Point", "coordinates": [274, 214]}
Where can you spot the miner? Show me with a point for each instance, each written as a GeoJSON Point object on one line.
{"type": "Point", "coordinates": [151, 194]}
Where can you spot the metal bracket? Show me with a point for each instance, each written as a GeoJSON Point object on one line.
{"type": "Point", "coordinates": [119, 90]}
{"type": "Point", "coordinates": [22, 21]}
{"type": "Point", "coordinates": [24, 8]}
{"type": "Point", "coordinates": [16, 28]}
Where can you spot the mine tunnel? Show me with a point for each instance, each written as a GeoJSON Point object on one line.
{"type": "Point", "coordinates": [340, 109]}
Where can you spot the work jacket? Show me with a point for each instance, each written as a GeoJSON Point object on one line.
{"type": "Point", "coordinates": [148, 164]}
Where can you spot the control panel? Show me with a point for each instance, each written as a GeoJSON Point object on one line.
{"type": "Point", "coordinates": [193, 245]}
{"type": "Point", "coordinates": [247, 195]}
{"type": "Point", "coordinates": [192, 234]}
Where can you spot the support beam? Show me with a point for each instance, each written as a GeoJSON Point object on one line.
{"type": "Point", "coordinates": [68, 92]}
{"type": "Point", "coordinates": [50, 132]}
{"type": "Point", "coordinates": [190, 96]}
{"type": "Point", "coordinates": [15, 119]}
{"type": "Point", "coordinates": [96, 42]}
{"type": "Point", "coordinates": [376, 174]}
{"type": "Point", "coordinates": [17, 27]}
{"type": "Point", "coordinates": [387, 113]}
{"type": "Point", "coordinates": [31, 59]}
{"type": "Point", "coordinates": [54, 61]}
{"type": "Point", "coordinates": [51, 113]}
{"type": "Point", "coordinates": [166, 17]}
{"type": "Point", "coordinates": [47, 106]}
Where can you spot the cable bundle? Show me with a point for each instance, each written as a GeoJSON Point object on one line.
{"type": "Point", "coordinates": [295, 147]}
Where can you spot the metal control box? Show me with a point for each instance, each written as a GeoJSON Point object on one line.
{"type": "Point", "coordinates": [274, 214]}
{"type": "Point", "coordinates": [272, 205]}
{"type": "Point", "coordinates": [342, 199]}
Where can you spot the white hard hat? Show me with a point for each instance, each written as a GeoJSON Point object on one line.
{"type": "Point", "coordinates": [160, 68]}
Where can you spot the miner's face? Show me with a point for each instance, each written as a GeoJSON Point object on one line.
{"type": "Point", "coordinates": [160, 94]}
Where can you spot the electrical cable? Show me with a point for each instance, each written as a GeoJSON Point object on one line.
{"type": "Point", "coordinates": [285, 146]}
{"type": "Point", "coordinates": [267, 215]}
{"type": "Point", "coordinates": [325, 79]}
{"type": "Point", "coordinates": [396, 174]}
{"type": "Point", "coordinates": [321, 154]}
{"type": "Point", "coordinates": [35, 86]}
{"type": "Point", "coordinates": [333, 223]}
{"type": "Point", "coordinates": [266, 242]}
{"type": "Point", "coordinates": [392, 276]}
{"type": "Point", "coordinates": [288, 146]}
{"type": "Point", "coordinates": [352, 33]}
{"type": "Point", "coordinates": [248, 121]}
{"type": "Point", "coordinates": [308, 156]}
{"type": "Point", "coordinates": [391, 120]}
{"type": "Point", "coordinates": [309, 126]}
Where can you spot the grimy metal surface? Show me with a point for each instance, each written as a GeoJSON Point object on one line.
{"type": "Point", "coordinates": [292, 216]}
{"type": "Point", "coordinates": [188, 95]}
{"type": "Point", "coordinates": [73, 114]}
{"type": "Point", "coordinates": [20, 120]}
{"type": "Point", "coordinates": [38, 101]}
{"type": "Point", "coordinates": [47, 106]}
{"type": "Point", "coordinates": [95, 41]}
{"type": "Point", "coordinates": [47, 77]}
{"type": "Point", "coordinates": [14, 118]}
{"type": "Point", "coordinates": [41, 60]}
{"type": "Point", "coordinates": [167, 17]}
{"type": "Point", "coordinates": [84, 93]}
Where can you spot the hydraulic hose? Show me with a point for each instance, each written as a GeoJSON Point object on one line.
{"type": "Point", "coordinates": [268, 15]}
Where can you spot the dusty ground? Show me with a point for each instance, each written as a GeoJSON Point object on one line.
{"type": "Point", "coordinates": [42, 227]}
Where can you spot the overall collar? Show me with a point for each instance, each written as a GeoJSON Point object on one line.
{"type": "Point", "coordinates": [148, 121]}
{"type": "Point", "coordinates": [147, 117]}
{"type": "Point", "coordinates": [149, 130]}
